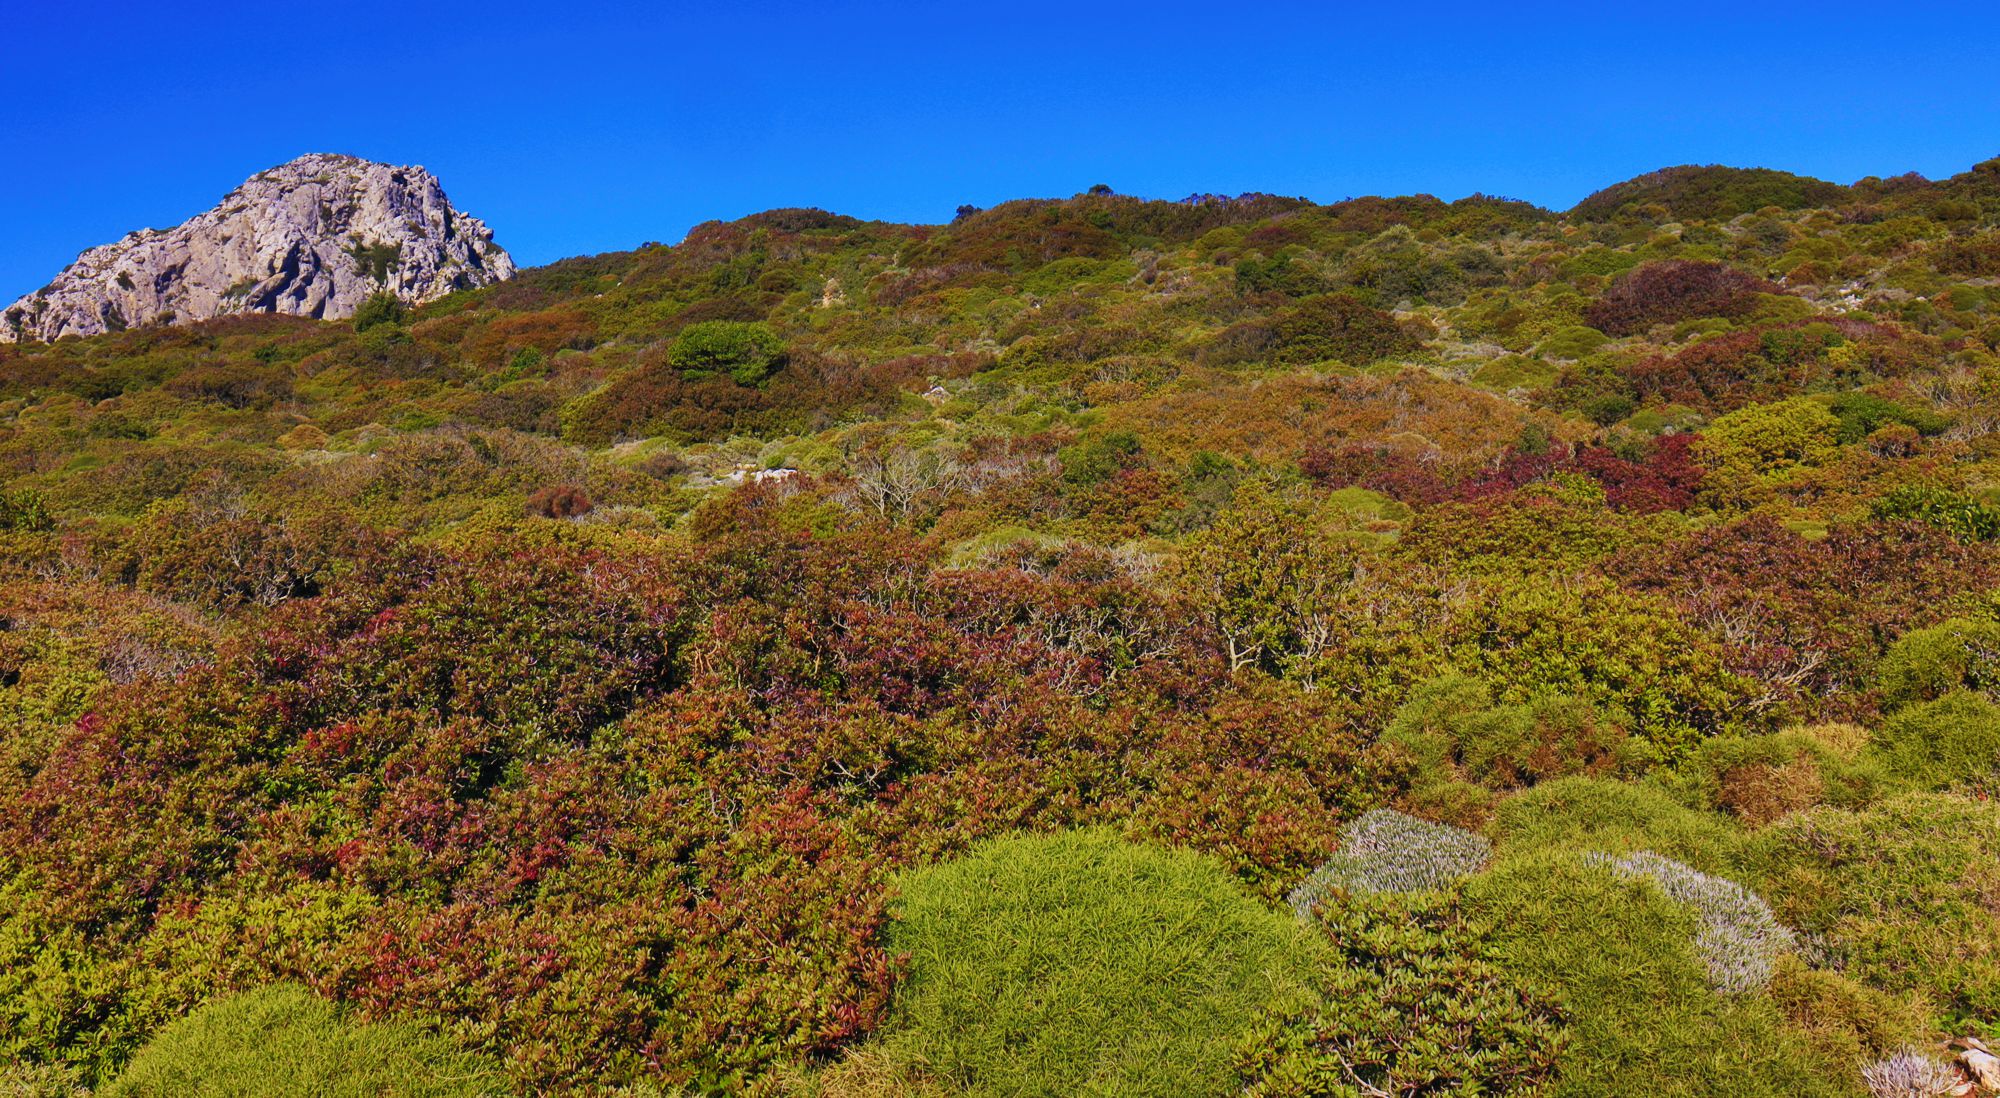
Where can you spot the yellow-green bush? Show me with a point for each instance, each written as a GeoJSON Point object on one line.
{"type": "Point", "coordinates": [1618, 956]}
{"type": "Point", "coordinates": [283, 1041]}
{"type": "Point", "coordinates": [1079, 963]}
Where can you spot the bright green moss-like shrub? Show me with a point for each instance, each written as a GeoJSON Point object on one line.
{"type": "Point", "coordinates": [284, 1041]}
{"type": "Point", "coordinates": [1082, 964]}
{"type": "Point", "coordinates": [1619, 956]}
{"type": "Point", "coordinates": [1596, 814]}
{"type": "Point", "coordinates": [746, 351]}
{"type": "Point", "coordinates": [1899, 897]}
{"type": "Point", "coordinates": [1926, 664]}
{"type": "Point", "coordinates": [1951, 741]}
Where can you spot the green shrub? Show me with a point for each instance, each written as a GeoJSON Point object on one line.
{"type": "Point", "coordinates": [1899, 896]}
{"type": "Point", "coordinates": [1452, 728]}
{"type": "Point", "coordinates": [1964, 516]}
{"type": "Point", "coordinates": [1631, 659]}
{"type": "Point", "coordinates": [747, 352]}
{"type": "Point", "coordinates": [1410, 1000]}
{"type": "Point", "coordinates": [1098, 458]}
{"type": "Point", "coordinates": [1597, 814]}
{"type": "Point", "coordinates": [1619, 956]}
{"type": "Point", "coordinates": [1338, 327]}
{"type": "Point", "coordinates": [24, 511]}
{"type": "Point", "coordinates": [1848, 1022]}
{"type": "Point", "coordinates": [283, 1040]}
{"type": "Point", "coordinates": [1953, 740]}
{"type": "Point", "coordinates": [1736, 937]}
{"type": "Point", "coordinates": [1926, 664]}
{"type": "Point", "coordinates": [1082, 964]}
{"type": "Point", "coordinates": [1766, 445]}
{"type": "Point", "coordinates": [1861, 414]}
{"type": "Point", "coordinates": [1573, 342]}
{"type": "Point", "coordinates": [382, 307]}
{"type": "Point", "coordinates": [1758, 779]}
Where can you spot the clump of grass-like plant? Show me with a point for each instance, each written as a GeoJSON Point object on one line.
{"type": "Point", "coordinates": [1387, 851]}
{"type": "Point", "coordinates": [286, 1042]}
{"type": "Point", "coordinates": [1737, 937]}
{"type": "Point", "coordinates": [1080, 963]}
{"type": "Point", "coordinates": [1908, 1074]}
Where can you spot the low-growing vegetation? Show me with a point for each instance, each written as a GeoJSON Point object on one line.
{"type": "Point", "coordinates": [1096, 646]}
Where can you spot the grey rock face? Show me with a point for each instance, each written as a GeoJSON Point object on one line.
{"type": "Point", "coordinates": [314, 237]}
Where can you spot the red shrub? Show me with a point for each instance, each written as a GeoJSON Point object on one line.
{"type": "Point", "coordinates": [1670, 291]}
{"type": "Point", "coordinates": [560, 501]}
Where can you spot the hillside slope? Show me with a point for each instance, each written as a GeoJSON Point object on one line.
{"type": "Point", "coordinates": [1556, 652]}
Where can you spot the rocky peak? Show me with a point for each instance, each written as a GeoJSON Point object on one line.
{"type": "Point", "coordinates": [313, 237]}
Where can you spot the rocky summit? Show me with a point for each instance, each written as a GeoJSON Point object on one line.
{"type": "Point", "coordinates": [313, 237]}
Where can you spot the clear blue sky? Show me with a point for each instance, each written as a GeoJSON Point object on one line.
{"type": "Point", "coordinates": [579, 127]}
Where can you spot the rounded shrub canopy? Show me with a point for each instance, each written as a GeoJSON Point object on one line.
{"type": "Point", "coordinates": [1082, 964]}
{"type": "Point", "coordinates": [286, 1042]}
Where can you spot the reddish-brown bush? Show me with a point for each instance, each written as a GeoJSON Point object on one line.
{"type": "Point", "coordinates": [560, 501]}
{"type": "Point", "coordinates": [1673, 290]}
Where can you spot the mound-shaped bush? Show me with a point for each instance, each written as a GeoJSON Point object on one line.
{"type": "Point", "coordinates": [1738, 939]}
{"type": "Point", "coordinates": [1079, 963]}
{"type": "Point", "coordinates": [282, 1041]}
{"type": "Point", "coordinates": [1386, 851]}
{"type": "Point", "coordinates": [1672, 290]}
{"type": "Point", "coordinates": [1926, 664]}
{"type": "Point", "coordinates": [746, 351]}
{"type": "Point", "coordinates": [1598, 814]}
{"type": "Point", "coordinates": [1452, 728]}
{"type": "Point", "coordinates": [1410, 1000]}
{"type": "Point", "coordinates": [1899, 897]}
{"type": "Point", "coordinates": [1339, 327]}
{"type": "Point", "coordinates": [1619, 956]}
{"type": "Point", "coordinates": [1758, 779]}
{"type": "Point", "coordinates": [1954, 740]}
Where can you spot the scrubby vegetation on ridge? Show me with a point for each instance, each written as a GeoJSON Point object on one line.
{"type": "Point", "coordinates": [694, 669]}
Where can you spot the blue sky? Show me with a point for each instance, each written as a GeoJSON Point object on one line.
{"type": "Point", "coordinates": [587, 127]}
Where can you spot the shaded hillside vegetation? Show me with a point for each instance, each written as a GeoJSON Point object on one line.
{"type": "Point", "coordinates": [638, 677]}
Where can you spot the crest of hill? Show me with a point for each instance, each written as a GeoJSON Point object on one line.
{"type": "Point", "coordinates": [1709, 193]}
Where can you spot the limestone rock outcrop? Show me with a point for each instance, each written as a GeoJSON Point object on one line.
{"type": "Point", "coordinates": [314, 237]}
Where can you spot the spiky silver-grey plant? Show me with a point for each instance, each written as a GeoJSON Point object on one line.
{"type": "Point", "coordinates": [1908, 1074]}
{"type": "Point", "coordinates": [1739, 940]}
{"type": "Point", "coordinates": [1386, 851]}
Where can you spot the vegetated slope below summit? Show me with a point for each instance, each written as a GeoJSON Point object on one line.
{"type": "Point", "coordinates": [312, 237]}
{"type": "Point", "coordinates": [570, 666]}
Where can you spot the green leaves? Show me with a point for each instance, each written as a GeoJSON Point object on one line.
{"type": "Point", "coordinates": [746, 352]}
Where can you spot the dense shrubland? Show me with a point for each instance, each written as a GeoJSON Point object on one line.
{"type": "Point", "coordinates": [827, 656]}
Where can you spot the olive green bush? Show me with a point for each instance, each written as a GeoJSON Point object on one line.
{"type": "Point", "coordinates": [1926, 664]}
{"type": "Point", "coordinates": [1410, 1000]}
{"type": "Point", "coordinates": [1599, 814]}
{"type": "Point", "coordinates": [1898, 896]}
{"type": "Point", "coordinates": [1954, 740]}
